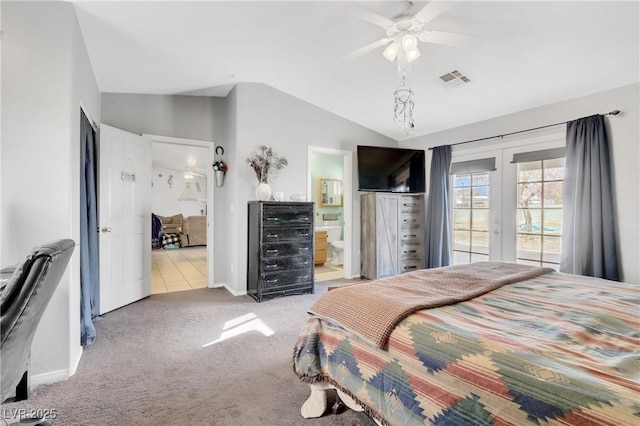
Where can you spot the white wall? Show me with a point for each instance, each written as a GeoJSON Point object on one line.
{"type": "Point", "coordinates": [46, 75]}
{"type": "Point", "coordinates": [624, 138]}
{"type": "Point", "coordinates": [226, 221]}
{"type": "Point", "coordinates": [164, 199]}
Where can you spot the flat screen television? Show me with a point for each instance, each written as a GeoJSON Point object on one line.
{"type": "Point", "coordinates": [390, 169]}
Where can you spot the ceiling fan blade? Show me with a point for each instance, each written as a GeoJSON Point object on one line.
{"type": "Point", "coordinates": [366, 49]}
{"type": "Point", "coordinates": [431, 11]}
{"type": "Point", "coordinates": [364, 13]}
{"type": "Point", "coordinates": [449, 39]}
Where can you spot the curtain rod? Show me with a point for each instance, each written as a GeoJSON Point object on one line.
{"type": "Point", "coordinates": [614, 112]}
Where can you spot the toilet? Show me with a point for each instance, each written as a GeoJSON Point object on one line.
{"type": "Point", "coordinates": [334, 233]}
{"type": "Point", "coordinates": [338, 252]}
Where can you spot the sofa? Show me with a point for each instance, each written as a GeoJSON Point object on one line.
{"type": "Point", "coordinates": [172, 224]}
{"type": "Point", "coordinates": [194, 231]}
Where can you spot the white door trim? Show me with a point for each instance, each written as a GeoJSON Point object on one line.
{"type": "Point", "coordinates": [211, 150]}
{"type": "Point", "coordinates": [347, 185]}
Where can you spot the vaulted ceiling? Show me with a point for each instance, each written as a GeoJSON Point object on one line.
{"type": "Point", "coordinates": [529, 54]}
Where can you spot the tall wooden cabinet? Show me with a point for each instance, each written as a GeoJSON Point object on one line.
{"type": "Point", "coordinates": [280, 249]}
{"type": "Point", "coordinates": [392, 233]}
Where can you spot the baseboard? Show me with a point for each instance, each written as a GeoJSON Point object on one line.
{"type": "Point", "coordinates": [229, 289]}
{"type": "Point", "coordinates": [48, 378]}
{"type": "Point", "coordinates": [235, 293]}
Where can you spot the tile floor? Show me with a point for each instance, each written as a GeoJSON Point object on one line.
{"type": "Point", "coordinates": [186, 269]}
{"type": "Point", "coordinates": [178, 269]}
{"type": "Point", "coordinates": [327, 272]}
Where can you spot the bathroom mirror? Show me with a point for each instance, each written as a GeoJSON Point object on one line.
{"type": "Point", "coordinates": [329, 192]}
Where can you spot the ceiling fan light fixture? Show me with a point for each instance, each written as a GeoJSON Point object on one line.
{"type": "Point", "coordinates": [409, 42]}
{"type": "Point", "coordinates": [412, 54]}
{"type": "Point", "coordinates": [391, 51]}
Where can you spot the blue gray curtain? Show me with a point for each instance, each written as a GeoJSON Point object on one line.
{"type": "Point", "coordinates": [438, 243]}
{"type": "Point", "coordinates": [588, 231]}
{"type": "Point", "coordinates": [89, 270]}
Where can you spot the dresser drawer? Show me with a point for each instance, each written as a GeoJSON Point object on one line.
{"type": "Point", "coordinates": [410, 221]}
{"type": "Point", "coordinates": [410, 265]}
{"type": "Point", "coordinates": [411, 252]}
{"type": "Point", "coordinates": [281, 215]}
{"type": "Point", "coordinates": [272, 281]}
{"type": "Point", "coordinates": [410, 205]}
{"type": "Point", "coordinates": [277, 264]}
{"type": "Point", "coordinates": [269, 250]}
{"type": "Point", "coordinates": [281, 233]}
{"type": "Point", "coordinates": [410, 236]}
{"type": "Point", "coordinates": [286, 291]}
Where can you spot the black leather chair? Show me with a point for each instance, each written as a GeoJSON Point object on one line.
{"type": "Point", "coordinates": [25, 295]}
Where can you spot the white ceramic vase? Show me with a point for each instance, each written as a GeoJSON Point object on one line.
{"type": "Point", "coordinates": [263, 191]}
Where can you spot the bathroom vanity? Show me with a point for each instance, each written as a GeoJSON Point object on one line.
{"type": "Point", "coordinates": [321, 247]}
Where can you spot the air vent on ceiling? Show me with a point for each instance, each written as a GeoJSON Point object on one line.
{"type": "Point", "coordinates": [454, 78]}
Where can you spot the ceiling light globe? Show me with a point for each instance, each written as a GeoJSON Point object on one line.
{"type": "Point", "coordinates": [409, 41]}
{"type": "Point", "coordinates": [391, 51]}
{"type": "Point", "coordinates": [412, 54]}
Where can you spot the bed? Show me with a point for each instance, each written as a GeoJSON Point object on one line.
{"type": "Point", "coordinates": [533, 346]}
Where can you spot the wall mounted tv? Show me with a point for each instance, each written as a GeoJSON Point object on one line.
{"type": "Point", "coordinates": [390, 169]}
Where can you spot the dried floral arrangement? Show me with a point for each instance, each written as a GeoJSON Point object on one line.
{"type": "Point", "coordinates": [266, 163]}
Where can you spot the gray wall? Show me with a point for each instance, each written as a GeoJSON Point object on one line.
{"type": "Point", "coordinates": [46, 76]}
{"type": "Point", "coordinates": [267, 116]}
{"type": "Point", "coordinates": [251, 115]}
{"type": "Point", "coordinates": [188, 117]}
{"type": "Point", "coordinates": [625, 146]}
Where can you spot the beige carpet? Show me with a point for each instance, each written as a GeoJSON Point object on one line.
{"type": "Point", "coordinates": [200, 357]}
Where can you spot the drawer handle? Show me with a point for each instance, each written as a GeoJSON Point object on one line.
{"type": "Point", "coordinates": [409, 220]}
{"type": "Point", "coordinates": [303, 218]}
{"type": "Point", "coordinates": [273, 219]}
{"type": "Point", "coordinates": [303, 234]}
{"type": "Point", "coordinates": [303, 249]}
{"type": "Point", "coordinates": [275, 280]}
{"type": "Point", "coordinates": [411, 235]}
{"type": "Point", "coordinates": [272, 235]}
{"type": "Point", "coordinates": [410, 251]}
{"type": "Point", "coordinates": [303, 277]}
{"type": "Point", "coordinates": [272, 251]}
{"type": "Point", "coordinates": [271, 266]}
{"type": "Point", "coordinates": [409, 204]}
{"type": "Point", "coordinates": [410, 267]}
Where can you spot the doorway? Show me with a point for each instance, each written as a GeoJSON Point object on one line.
{"type": "Point", "coordinates": [333, 167]}
{"type": "Point", "coordinates": [182, 207]}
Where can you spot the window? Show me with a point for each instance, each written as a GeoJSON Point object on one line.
{"type": "Point", "coordinates": [506, 200]}
{"type": "Point", "coordinates": [539, 212]}
{"type": "Point", "coordinates": [470, 218]}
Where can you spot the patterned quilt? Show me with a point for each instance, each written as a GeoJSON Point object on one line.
{"type": "Point", "coordinates": [557, 349]}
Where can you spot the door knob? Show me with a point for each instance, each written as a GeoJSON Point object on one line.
{"type": "Point", "coordinates": [106, 229]}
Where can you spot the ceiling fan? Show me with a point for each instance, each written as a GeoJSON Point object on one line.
{"type": "Point", "coordinates": [190, 174]}
{"type": "Point", "coordinates": [407, 29]}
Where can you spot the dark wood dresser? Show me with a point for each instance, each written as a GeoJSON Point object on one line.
{"type": "Point", "coordinates": [280, 249]}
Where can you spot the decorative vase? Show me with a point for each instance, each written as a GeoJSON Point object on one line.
{"type": "Point", "coordinates": [219, 178]}
{"type": "Point", "coordinates": [263, 191]}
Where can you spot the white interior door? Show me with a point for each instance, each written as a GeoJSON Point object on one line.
{"type": "Point", "coordinates": [124, 218]}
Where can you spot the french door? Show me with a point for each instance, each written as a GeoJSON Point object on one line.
{"type": "Point", "coordinates": [508, 209]}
